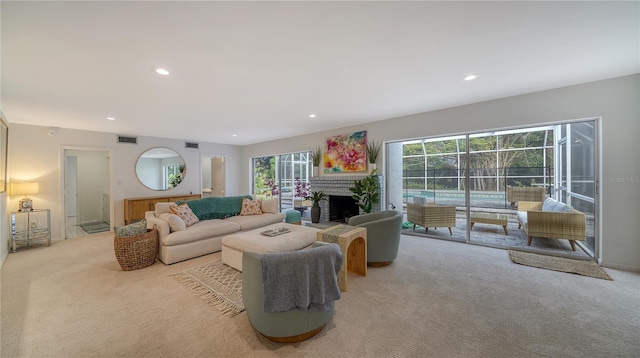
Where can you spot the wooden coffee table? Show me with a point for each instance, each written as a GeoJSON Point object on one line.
{"type": "Point", "coordinates": [490, 218]}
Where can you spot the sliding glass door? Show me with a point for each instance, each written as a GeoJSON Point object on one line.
{"type": "Point", "coordinates": [576, 171]}
{"type": "Point", "coordinates": [284, 176]}
{"type": "Point", "coordinates": [484, 176]}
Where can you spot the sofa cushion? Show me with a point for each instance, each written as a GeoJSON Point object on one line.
{"type": "Point", "coordinates": [522, 217]}
{"type": "Point", "coordinates": [201, 230]}
{"type": "Point", "coordinates": [162, 208]}
{"type": "Point", "coordinates": [185, 213]}
{"type": "Point", "coordinates": [251, 207]}
{"type": "Point", "coordinates": [269, 206]}
{"type": "Point", "coordinates": [256, 221]}
{"type": "Point", "coordinates": [175, 222]}
{"type": "Point", "coordinates": [548, 204]}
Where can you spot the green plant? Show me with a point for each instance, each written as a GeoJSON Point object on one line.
{"type": "Point", "coordinates": [316, 197]}
{"type": "Point", "coordinates": [373, 149]}
{"type": "Point", "coordinates": [316, 155]}
{"type": "Point", "coordinates": [366, 191]}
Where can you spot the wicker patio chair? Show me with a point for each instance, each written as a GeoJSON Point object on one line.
{"type": "Point", "coordinates": [526, 193]}
{"type": "Point", "coordinates": [431, 215]}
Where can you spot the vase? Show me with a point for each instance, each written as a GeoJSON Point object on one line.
{"type": "Point", "coordinates": [315, 214]}
{"type": "Point", "coordinates": [315, 171]}
{"type": "Point", "coordinates": [372, 167]}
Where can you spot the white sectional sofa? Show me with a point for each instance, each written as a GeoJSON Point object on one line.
{"type": "Point", "coordinates": [218, 218]}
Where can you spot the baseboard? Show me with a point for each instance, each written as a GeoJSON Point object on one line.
{"type": "Point", "coordinates": [623, 267]}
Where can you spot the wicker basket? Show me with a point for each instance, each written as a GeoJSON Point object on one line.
{"type": "Point", "coordinates": [136, 252]}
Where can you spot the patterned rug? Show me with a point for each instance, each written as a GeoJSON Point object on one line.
{"type": "Point", "coordinates": [580, 267]}
{"type": "Point", "coordinates": [217, 284]}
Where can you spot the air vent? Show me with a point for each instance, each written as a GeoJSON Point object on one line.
{"type": "Point", "coordinates": [191, 145]}
{"type": "Point", "coordinates": [130, 140]}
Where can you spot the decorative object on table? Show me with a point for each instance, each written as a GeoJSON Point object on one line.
{"type": "Point", "coordinates": [346, 153]}
{"type": "Point", "coordinates": [275, 232]}
{"type": "Point", "coordinates": [216, 283]}
{"type": "Point", "coordinates": [4, 145]}
{"type": "Point", "coordinates": [581, 267]}
{"type": "Point", "coordinates": [316, 156]}
{"type": "Point", "coordinates": [373, 150]}
{"type": "Point", "coordinates": [25, 188]}
{"type": "Point", "coordinates": [366, 191]}
{"type": "Point", "coordinates": [135, 246]}
{"type": "Point", "coordinates": [316, 197]}
{"type": "Point", "coordinates": [384, 229]}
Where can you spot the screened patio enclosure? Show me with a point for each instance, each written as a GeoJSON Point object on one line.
{"type": "Point", "coordinates": [285, 177]}
{"type": "Point", "coordinates": [476, 174]}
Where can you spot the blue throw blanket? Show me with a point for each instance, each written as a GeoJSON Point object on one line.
{"type": "Point", "coordinates": [215, 207]}
{"type": "Point", "coordinates": [304, 279]}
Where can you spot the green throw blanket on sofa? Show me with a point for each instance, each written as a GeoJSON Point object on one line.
{"type": "Point", "coordinates": [216, 207]}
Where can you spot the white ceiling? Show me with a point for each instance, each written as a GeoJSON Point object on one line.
{"type": "Point", "coordinates": [258, 69]}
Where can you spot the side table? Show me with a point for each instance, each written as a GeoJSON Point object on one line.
{"type": "Point", "coordinates": [27, 227]}
{"type": "Point", "coordinates": [353, 244]}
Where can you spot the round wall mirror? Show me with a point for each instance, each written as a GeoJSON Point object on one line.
{"type": "Point", "coordinates": [160, 169]}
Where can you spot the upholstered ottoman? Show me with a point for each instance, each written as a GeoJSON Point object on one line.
{"type": "Point", "coordinates": [234, 245]}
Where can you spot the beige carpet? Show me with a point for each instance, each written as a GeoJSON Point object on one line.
{"type": "Point", "coordinates": [438, 299]}
{"type": "Point", "coordinates": [217, 284]}
{"type": "Point", "coordinates": [581, 267]}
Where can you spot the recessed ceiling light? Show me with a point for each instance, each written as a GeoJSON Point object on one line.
{"type": "Point", "coordinates": [470, 77]}
{"type": "Point", "coordinates": [234, 135]}
{"type": "Point", "coordinates": [111, 118]}
{"type": "Point", "coordinates": [312, 115]}
{"type": "Point", "coordinates": [162, 71]}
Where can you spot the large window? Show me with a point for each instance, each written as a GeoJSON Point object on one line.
{"type": "Point", "coordinates": [285, 177]}
{"type": "Point", "coordinates": [479, 172]}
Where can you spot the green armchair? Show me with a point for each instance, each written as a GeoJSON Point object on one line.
{"type": "Point", "coordinates": [289, 326]}
{"type": "Point", "coordinates": [383, 235]}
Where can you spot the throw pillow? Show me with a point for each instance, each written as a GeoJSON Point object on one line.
{"type": "Point", "coordinates": [185, 213]}
{"type": "Point", "coordinates": [134, 229]}
{"type": "Point", "coordinates": [251, 207]}
{"type": "Point", "coordinates": [269, 206]}
{"type": "Point", "coordinates": [163, 207]}
{"type": "Point", "coordinates": [175, 222]}
{"type": "Point", "coordinates": [548, 204]}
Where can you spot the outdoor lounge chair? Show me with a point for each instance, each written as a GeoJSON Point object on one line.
{"type": "Point", "coordinates": [431, 215]}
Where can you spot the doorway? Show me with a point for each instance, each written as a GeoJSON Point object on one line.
{"type": "Point", "coordinates": [212, 175]}
{"type": "Point", "coordinates": [87, 196]}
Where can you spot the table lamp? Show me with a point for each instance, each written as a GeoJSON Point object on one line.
{"type": "Point", "coordinates": [25, 188]}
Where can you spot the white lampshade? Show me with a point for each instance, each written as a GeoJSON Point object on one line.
{"type": "Point", "coordinates": [24, 188]}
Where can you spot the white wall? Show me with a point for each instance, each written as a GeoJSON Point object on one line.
{"type": "Point", "coordinates": [615, 100]}
{"type": "Point", "coordinates": [37, 156]}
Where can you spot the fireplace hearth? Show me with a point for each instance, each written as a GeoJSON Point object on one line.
{"type": "Point", "coordinates": [338, 185]}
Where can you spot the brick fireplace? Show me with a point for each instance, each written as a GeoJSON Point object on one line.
{"type": "Point", "coordinates": [338, 185]}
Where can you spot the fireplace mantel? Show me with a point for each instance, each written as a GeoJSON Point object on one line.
{"type": "Point", "coordinates": [339, 185]}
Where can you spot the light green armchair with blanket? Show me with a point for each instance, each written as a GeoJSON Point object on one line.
{"type": "Point", "coordinates": [383, 235]}
{"type": "Point", "coordinates": [294, 324]}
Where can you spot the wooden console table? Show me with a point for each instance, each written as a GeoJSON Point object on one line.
{"type": "Point", "coordinates": [135, 208]}
{"type": "Point", "coordinates": [353, 244]}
